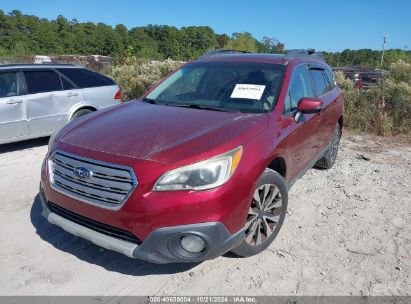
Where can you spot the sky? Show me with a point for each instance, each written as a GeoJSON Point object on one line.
{"type": "Point", "coordinates": [323, 25]}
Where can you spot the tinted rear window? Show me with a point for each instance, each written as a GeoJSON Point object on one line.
{"type": "Point", "coordinates": [42, 81]}
{"type": "Point", "coordinates": [66, 84]}
{"type": "Point", "coordinates": [8, 84]}
{"type": "Point", "coordinates": [86, 79]}
{"type": "Point", "coordinates": [319, 81]}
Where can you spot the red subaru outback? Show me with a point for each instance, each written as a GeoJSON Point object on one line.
{"type": "Point", "coordinates": [202, 164]}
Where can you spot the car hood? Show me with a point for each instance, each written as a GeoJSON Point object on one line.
{"type": "Point", "coordinates": [162, 133]}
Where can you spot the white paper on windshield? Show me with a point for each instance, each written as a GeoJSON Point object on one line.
{"type": "Point", "coordinates": [248, 91]}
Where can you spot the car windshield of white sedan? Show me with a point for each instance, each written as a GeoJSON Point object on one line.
{"type": "Point", "coordinates": [226, 86]}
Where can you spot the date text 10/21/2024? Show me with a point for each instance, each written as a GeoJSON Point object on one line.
{"type": "Point", "coordinates": [202, 299]}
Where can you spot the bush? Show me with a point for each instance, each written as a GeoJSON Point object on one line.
{"type": "Point", "coordinates": [401, 72]}
{"type": "Point", "coordinates": [397, 105]}
{"type": "Point", "coordinates": [384, 109]}
{"type": "Point", "coordinates": [135, 78]}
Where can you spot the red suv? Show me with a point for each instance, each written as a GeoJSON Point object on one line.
{"type": "Point", "coordinates": [201, 164]}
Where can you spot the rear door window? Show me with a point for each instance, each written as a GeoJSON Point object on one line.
{"type": "Point", "coordinates": [42, 81]}
{"type": "Point", "coordinates": [67, 85]}
{"type": "Point", "coordinates": [319, 81]}
{"type": "Point", "coordinates": [86, 79]}
{"type": "Point", "coordinates": [8, 84]}
{"type": "Point", "coordinates": [330, 79]}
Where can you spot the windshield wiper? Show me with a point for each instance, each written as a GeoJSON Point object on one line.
{"type": "Point", "coordinates": [149, 100]}
{"type": "Point", "coordinates": [197, 106]}
{"type": "Point", "coordinates": [202, 107]}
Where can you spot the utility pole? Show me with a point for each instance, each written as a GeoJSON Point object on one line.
{"type": "Point", "coordinates": [383, 49]}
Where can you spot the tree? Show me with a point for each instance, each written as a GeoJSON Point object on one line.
{"type": "Point", "coordinates": [196, 40]}
{"type": "Point", "coordinates": [122, 32]}
{"type": "Point", "coordinates": [29, 35]}
{"type": "Point", "coordinates": [222, 40]}
{"type": "Point", "coordinates": [270, 45]}
{"type": "Point", "coordinates": [169, 44]}
{"type": "Point", "coordinates": [242, 42]}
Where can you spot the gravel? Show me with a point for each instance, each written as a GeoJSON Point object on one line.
{"type": "Point", "coordinates": [347, 232]}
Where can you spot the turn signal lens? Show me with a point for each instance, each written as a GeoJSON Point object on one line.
{"type": "Point", "coordinates": [236, 159]}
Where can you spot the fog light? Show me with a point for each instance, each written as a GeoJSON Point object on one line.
{"type": "Point", "coordinates": [192, 243]}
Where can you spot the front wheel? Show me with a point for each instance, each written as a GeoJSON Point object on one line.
{"type": "Point", "coordinates": [265, 215]}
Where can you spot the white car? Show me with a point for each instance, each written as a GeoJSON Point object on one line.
{"type": "Point", "coordinates": [36, 100]}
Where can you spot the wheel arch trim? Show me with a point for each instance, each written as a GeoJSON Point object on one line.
{"type": "Point", "coordinates": [278, 164]}
{"type": "Point", "coordinates": [78, 107]}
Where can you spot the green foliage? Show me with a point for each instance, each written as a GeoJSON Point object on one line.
{"type": "Point", "coordinates": [135, 78]}
{"type": "Point", "coordinates": [29, 35]}
{"type": "Point", "coordinates": [344, 83]}
{"type": "Point", "coordinates": [270, 45]}
{"type": "Point", "coordinates": [384, 109]}
{"type": "Point", "coordinates": [401, 72]}
{"type": "Point", "coordinates": [126, 58]}
{"type": "Point", "coordinates": [396, 92]}
{"type": "Point", "coordinates": [222, 40]}
{"type": "Point", "coordinates": [242, 42]}
{"type": "Point", "coordinates": [366, 57]}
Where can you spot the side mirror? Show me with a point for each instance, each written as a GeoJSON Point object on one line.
{"type": "Point", "coordinates": [308, 105]}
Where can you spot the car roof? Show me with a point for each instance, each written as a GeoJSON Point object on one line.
{"type": "Point", "coordinates": [36, 66]}
{"type": "Point", "coordinates": [259, 57]}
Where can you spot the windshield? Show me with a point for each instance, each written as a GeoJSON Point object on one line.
{"type": "Point", "coordinates": [238, 86]}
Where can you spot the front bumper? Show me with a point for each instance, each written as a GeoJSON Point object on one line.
{"type": "Point", "coordinates": [161, 245]}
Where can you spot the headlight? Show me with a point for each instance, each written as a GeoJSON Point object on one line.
{"type": "Point", "coordinates": [203, 175]}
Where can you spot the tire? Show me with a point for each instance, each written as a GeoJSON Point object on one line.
{"type": "Point", "coordinates": [328, 160]}
{"type": "Point", "coordinates": [272, 219]}
{"type": "Point", "coordinates": [80, 113]}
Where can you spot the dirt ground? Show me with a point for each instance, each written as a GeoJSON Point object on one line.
{"type": "Point", "coordinates": [347, 232]}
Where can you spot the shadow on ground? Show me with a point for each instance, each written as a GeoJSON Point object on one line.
{"type": "Point", "coordinates": [90, 253]}
{"type": "Point", "coordinates": [22, 145]}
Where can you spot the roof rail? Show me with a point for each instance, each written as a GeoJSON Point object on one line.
{"type": "Point", "coordinates": [292, 54]}
{"type": "Point", "coordinates": [217, 52]}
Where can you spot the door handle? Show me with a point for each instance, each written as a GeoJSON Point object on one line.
{"type": "Point", "coordinates": [14, 101]}
{"type": "Point", "coordinates": [72, 94]}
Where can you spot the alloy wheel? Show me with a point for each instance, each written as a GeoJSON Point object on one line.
{"type": "Point", "coordinates": [263, 215]}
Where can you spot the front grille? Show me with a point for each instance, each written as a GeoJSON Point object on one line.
{"type": "Point", "coordinates": [93, 225]}
{"type": "Point", "coordinates": [107, 185]}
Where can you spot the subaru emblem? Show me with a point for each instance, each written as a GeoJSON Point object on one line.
{"type": "Point", "coordinates": [83, 173]}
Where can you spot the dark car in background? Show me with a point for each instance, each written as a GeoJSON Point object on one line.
{"type": "Point", "coordinates": [362, 77]}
